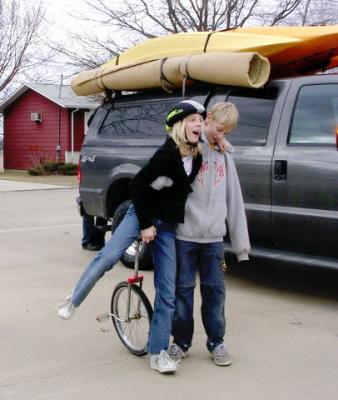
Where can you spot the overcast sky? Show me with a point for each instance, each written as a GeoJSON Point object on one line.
{"type": "Point", "coordinates": [58, 23]}
{"type": "Point", "coordinates": [57, 12]}
{"type": "Point", "coordinates": [61, 19]}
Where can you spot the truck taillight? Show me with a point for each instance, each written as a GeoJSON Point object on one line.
{"type": "Point", "coordinates": [78, 172]}
{"type": "Point", "coordinates": [337, 137]}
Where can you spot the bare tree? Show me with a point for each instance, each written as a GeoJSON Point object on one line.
{"type": "Point", "coordinates": [131, 21]}
{"type": "Point", "coordinates": [88, 50]}
{"type": "Point", "coordinates": [18, 37]}
{"type": "Point", "coordinates": [150, 18]}
{"type": "Point", "coordinates": [316, 12]}
{"type": "Point", "coordinates": [279, 11]}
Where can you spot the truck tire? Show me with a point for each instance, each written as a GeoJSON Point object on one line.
{"type": "Point", "coordinates": [128, 258]}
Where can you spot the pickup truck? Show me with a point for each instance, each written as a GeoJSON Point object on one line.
{"type": "Point", "coordinates": [285, 150]}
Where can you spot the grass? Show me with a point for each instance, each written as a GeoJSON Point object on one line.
{"type": "Point", "coordinates": [23, 176]}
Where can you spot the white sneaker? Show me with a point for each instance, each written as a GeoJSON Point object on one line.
{"type": "Point", "coordinates": [176, 352]}
{"type": "Point", "coordinates": [67, 309]}
{"type": "Point", "coordinates": [163, 363]}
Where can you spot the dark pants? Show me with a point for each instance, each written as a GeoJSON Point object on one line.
{"type": "Point", "coordinates": [207, 259]}
{"type": "Point", "coordinates": [92, 235]}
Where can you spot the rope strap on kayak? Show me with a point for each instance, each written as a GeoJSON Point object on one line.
{"type": "Point", "coordinates": [99, 80]}
{"type": "Point", "coordinates": [207, 41]}
{"type": "Point", "coordinates": [165, 83]}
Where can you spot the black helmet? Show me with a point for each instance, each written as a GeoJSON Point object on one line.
{"type": "Point", "coordinates": [182, 110]}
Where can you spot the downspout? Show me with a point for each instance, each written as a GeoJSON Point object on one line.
{"type": "Point", "coordinates": [58, 147]}
{"type": "Point", "coordinates": [72, 134]}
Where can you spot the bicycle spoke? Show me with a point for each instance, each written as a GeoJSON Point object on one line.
{"type": "Point", "coordinates": [133, 328]}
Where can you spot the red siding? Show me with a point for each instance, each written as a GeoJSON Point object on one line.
{"type": "Point", "coordinates": [26, 143]}
{"type": "Point", "coordinates": [78, 130]}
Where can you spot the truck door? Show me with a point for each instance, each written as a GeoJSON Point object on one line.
{"type": "Point", "coordinates": [253, 149]}
{"type": "Point", "coordinates": [305, 169]}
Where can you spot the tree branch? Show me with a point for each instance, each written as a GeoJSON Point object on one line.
{"type": "Point", "coordinates": [18, 34]}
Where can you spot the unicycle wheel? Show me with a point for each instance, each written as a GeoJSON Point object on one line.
{"type": "Point", "coordinates": [133, 327]}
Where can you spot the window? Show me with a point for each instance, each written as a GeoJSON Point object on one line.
{"type": "Point", "coordinates": [315, 116]}
{"type": "Point", "coordinates": [255, 112]}
{"type": "Point", "coordinates": [141, 120]}
{"type": "Point", "coordinates": [121, 121]}
{"type": "Point", "coordinates": [152, 118]}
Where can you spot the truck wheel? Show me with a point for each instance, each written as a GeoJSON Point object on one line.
{"type": "Point", "coordinates": [128, 258]}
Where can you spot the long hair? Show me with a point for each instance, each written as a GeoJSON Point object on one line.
{"type": "Point", "coordinates": [178, 135]}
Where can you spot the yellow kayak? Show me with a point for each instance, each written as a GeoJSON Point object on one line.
{"type": "Point", "coordinates": [182, 44]}
{"type": "Point", "coordinates": [290, 51]}
{"type": "Point", "coordinates": [316, 51]}
{"type": "Point", "coordinates": [309, 47]}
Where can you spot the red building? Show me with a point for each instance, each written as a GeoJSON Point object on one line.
{"type": "Point", "coordinates": [44, 122]}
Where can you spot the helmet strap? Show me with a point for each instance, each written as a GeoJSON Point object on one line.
{"type": "Point", "coordinates": [189, 143]}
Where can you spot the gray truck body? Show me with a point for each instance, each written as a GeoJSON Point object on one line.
{"type": "Point", "coordinates": [285, 153]}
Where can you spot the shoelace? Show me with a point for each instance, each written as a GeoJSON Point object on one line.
{"type": "Point", "coordinates": [164, 356]}
{"type": "Point", "coordinates": [175, 350]}
{"type": "Point", "coordinates": [67, 302]}
{"type": "Point", "coordinates": [220, 351]}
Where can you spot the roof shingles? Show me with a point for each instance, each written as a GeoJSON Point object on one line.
{"type": "Point", "coordinates": [61, 95]}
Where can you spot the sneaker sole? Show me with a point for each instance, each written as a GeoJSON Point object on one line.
{"type": "Point", "coordinates": [65, 317]}
{"type": "Point", "coordinates": [226, 364]}
{"type": "Point", "coordinates": [166, 371]}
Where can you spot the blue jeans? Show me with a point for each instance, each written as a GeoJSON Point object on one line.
{"type": "Point", "coordinates": [164, 257]}
{"type": "Point", "coordinates": [207, 259]}
{"type": "Point", "coordinates": [124, 235]}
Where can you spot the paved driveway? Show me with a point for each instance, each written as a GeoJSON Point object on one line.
{"type": "Point", "coordinates": [282, 323]}
{"type": "Point", "coordinates": [13, 186]}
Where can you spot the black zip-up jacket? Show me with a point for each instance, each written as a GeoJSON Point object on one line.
{"type": "Point", "coordinates": [166, 204]}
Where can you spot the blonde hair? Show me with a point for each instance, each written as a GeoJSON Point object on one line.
{"type": "Point", "coordinates": [178, 135]}
{"type": "Point", "coordinates": [225, 113]}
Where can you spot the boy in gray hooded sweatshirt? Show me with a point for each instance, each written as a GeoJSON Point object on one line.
{"type": "Point", "coordinates": [215, 203]}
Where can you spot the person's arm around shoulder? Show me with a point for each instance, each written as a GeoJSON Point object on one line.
{"type": "Point", "coordinates": [237, 222]}
{"type": "Point", "coordinates": [225, 146]}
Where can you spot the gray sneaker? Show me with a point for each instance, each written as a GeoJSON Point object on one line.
{"type": "Point", "coordinates": [176, 353]}
{"type": "Point", "coordinates": [220, 355]}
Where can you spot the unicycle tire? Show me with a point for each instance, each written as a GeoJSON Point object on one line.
{"type": "Point", "coordinates": [132, 329]}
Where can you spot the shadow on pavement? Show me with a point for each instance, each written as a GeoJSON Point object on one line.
{"type": "Point", "coordinates": [286, 277]}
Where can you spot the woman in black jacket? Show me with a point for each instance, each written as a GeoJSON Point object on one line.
{"type": "Point", "coordinates": [159, 193]}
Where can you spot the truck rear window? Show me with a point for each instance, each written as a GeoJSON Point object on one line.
{"type": "Point", "coordinates": [141, 120]}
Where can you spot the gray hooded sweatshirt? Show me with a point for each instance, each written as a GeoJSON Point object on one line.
{"type": "Point", "coordinates": [216, 198]}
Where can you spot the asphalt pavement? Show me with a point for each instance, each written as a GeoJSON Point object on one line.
{"type": "Point", "coordinates": [282, 323]}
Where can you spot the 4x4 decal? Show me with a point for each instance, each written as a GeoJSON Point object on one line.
{"type": "Point", "coordinates": [88, 158]}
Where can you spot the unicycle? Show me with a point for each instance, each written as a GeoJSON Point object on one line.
{"type": "Point", "coordinates": [131, 311]}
